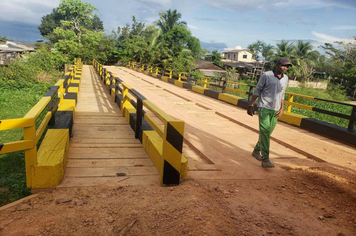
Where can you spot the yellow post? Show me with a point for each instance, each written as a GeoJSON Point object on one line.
{"type": "Point", "coordinates": [206, 81]}
{"type": "Point", "coordinates": [290, 99]}
{"type": "Point", "coordinates": [180, 76]}
{"type": "Point", "coordinates": [30, 154]}
{"type": "Point", "coordinates": [61, 93]}
{"type": "Point", "coordinates": [170, 74]}
{"type": "Point", "coordinates": [143, 67]}
{"type": "Point", "coordinates": [125, 92]}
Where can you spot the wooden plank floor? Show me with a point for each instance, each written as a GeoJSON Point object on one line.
{"type": "Point", "coordinates": [103, 150]}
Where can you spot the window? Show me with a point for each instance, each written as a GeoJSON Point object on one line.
{"type": "Point", "coordinates": [244, 57]}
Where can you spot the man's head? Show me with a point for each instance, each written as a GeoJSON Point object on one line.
{"type": "Point", "coordinates": [282, 65]}
{"type": "Point", "coordinates": [283, 61]}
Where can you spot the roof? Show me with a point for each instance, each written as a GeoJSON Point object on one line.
{"type": "Point", "coordinates": [241, 64]}
{"type": "Point", "coordinates": [16, 47]}
{"type": "Point", "coordinates": [212, 73]}
{"type": "Point", "coordinates": [239, 50]}
{"type": "Point", "coordinates": [208, 65]}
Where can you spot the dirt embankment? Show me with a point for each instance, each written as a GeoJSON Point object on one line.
{"type": "Point", "coordinates": [299, 202]}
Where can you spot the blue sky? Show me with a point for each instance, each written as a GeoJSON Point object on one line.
{"type": "Point", "coordinates": [221, 25]}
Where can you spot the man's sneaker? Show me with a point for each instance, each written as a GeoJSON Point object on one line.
{"type": "Point", "coordinates": [267, 164]}
{"type": "Point", "coordinates": [257, 155]}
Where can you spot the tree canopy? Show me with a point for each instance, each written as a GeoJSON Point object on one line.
{"type": "Point", "coordinates": [166, 43]}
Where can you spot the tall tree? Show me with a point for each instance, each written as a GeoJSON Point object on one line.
{"type": "Point", "coordinates": [268, 51]}
{"type": "Point", "coordinates": [305, 59]}
{"type": "Point", "coordinates": [304, 50]}
{"type": "Point", "coordinates": [70, 10]}
{"type": "Point", "coordinates": [76, 37]}
{"type": "Point", "coordinates": [256, 48]}
{"type": "Point", "coordinates": [285, 48]}
{"type": "Point", "coordinates": [168, 20]}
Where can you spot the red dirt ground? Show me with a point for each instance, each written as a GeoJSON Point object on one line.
{"type": "Point", "coordinates": [299, 202]}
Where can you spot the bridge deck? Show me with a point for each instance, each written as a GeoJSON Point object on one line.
{"type": "Point", "coordinates": [103, 149]}
{"type": "Point", "coordinates": [219, 137]}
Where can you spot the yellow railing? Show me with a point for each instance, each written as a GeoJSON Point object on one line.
{"type": "Point", "coordinates": [157, 142]}
{"type": "Point", "coordinates": [32, 134]}
{"type": "Point", "coordinates": [230, 86]}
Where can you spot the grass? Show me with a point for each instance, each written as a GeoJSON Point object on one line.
{"type": "Point", "coordinates": [333, 93]}
{"type": "Point", "coordinates": [14, 104]}
{"type": "Point", "coordinates": [12, 177]}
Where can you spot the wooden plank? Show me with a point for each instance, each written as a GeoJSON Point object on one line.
{"type": "Point", "coordinates": [118, 140]}
{"type": "Point", "coordinates": [99, 114]}
{"type": "Point", "coordinates": [106, 145]}
{"type": "Point", "coordinates": [103, 132]}
{"type": "Point", "coordinates": [119, 128]}
{"type": "Point", "coordinates": [94, 163]}
{"type": "Point", "coordinates": [110, 171]}
{"type": "Point", "coordinates": [106, 153]}
{"type": "Point", "coordinates": [100, 120]}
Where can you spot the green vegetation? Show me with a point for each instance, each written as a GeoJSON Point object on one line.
{"type": "Point", "coordinates": [74, 30]}
{"type": "Point", "coordinates": [4, 39]}
{"type": "Point", "coordinates": [339, 64]}
{"type": "Point", "coordinates": [22, 84]}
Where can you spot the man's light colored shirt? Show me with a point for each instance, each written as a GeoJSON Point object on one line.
{"type": "Point", "coordinates": [270, 90]}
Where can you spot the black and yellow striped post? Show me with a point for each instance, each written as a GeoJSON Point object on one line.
{"type": "Point", "coordinates": [172, 152]}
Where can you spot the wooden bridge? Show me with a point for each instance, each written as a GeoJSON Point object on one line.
{"type": "Point", "coordinates": [218, 137]}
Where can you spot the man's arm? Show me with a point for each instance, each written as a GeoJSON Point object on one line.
{"type": "Point", "coordinates": [253, 99]}
{"type": "Point", "coordinates": [251, 106]}
{"type": "Point", "coordinates": [280, 111]}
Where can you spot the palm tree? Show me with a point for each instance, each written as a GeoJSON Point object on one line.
{"type": "Point", "coordinates": [255, 48]}
{"type": "Point", "coordinates": [168, 20]}
{"type": "Point", "coordinates": [305, 59]}
{"type": "Point", "coordinates": [268, 52]}
{"type": "Point", "coordinates": [284, 47]}
{"type": "Point", "coordinates": [303, 49]}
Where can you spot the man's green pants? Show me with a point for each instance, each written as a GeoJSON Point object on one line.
{"type": "Point", "coordinates": [268, 120]}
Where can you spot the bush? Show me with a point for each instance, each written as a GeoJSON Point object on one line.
{"type": "Point", "coordinates": [23, 73]}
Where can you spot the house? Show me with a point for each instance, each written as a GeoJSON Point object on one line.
{"type": "Point", "coordinates": [242, 55]}
{"type": "Point", "coordinates": [210, 69]}
{"type": "Point", "coordinates": [10, 50]}
{"type": "Point", "coordinates": [252, 69]}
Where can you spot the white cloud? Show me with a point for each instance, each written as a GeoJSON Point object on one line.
{"type": "Point", "coordinates": [192, 27]}
{"type": "Point", "coordinates": [345, 27]}
{"type": "Point", "coordinates": [324, 38]}
{"type": "Point", "coordinates": [277, 5]}
{"type": "Point", "coordinates": [29, 11]}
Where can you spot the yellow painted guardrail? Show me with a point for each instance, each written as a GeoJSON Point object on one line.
{"type": "Point", "coordinates": [229, 88]}
{"type": "Point", "coordinates": [162, 140]}
{"type": "Point", "coordinates": [52, 100]}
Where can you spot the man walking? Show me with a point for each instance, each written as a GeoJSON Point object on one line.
{"type": "Point", "coordinates": [270, 91]}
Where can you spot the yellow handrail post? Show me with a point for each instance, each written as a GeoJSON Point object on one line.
{"type": "Point", "coordinates": [290, 99]}
{"type": "Point", "coordinates": [180, 76]}
{"type": "Point", "coordinates": [170, 74]}
{"type": "Point", "coordinates": [205, 81]}
{"type": "Point", "coordinates": [125, 92]}
{"type": "Point", "coordinates": [30, 154]}
{"type": "Point", "coordinates": [156, 70]}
